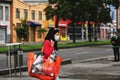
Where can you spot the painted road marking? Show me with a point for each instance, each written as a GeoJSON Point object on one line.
{"type": "Point", "coordinates": [82, 53]}
{"type": "Point", "coordinates": [108, 50]}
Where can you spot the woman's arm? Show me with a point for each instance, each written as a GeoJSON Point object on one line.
{"type": "Point", "coordinates": [47, 48]}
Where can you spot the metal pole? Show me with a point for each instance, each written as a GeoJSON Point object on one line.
{"type": "Point", "coordinates": [19, 63]}
{"type": "Point", "coordinates": [9, 62]}
{"type": "Point", "coordinates": [14, 61]}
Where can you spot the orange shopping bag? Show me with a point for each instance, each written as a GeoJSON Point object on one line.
{"type": "Point", "coordinates": [58, 65]}
{"type": "Point", "coordinates": [39, 76]}
{"type": "Point", "coordinates": [54, 68]}
{"type": "Point", "coordinates": [48, 68]}
{"type": "Point", "coordinates": [30, 60]}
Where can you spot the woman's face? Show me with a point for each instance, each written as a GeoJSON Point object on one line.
{"type": "Point", "coordinates": [57, 36]}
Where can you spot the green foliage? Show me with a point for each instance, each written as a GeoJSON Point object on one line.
{"type": "Point", "coordinates": [49, 12]}
{"type": "Point", "coordinates": [42, 30]}
{"type": "Point", "coordinates": [105, 16]}
{"type": "Point", "coordinates": [22, 32]}
{"type": "Point", "coordinates": [80, 10]}
{"type": "Point", "coordinates": [115, 3]}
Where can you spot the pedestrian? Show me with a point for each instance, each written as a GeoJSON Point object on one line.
{"type": "Point", "coordinates": [115, 41]}
{"type": "Point", "coordinates": [49, 49]}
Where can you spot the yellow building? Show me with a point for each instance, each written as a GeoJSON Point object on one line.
{"type": "Point", "coordinates": [34, 14]}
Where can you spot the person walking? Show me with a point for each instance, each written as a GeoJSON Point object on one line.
{"type": "Point", "coordinates": [115, 41]}
{"type": "Point", "coordinates": [49, 49]}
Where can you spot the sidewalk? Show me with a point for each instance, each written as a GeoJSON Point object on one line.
{"type": "Point", "coordinates": [102, 68]}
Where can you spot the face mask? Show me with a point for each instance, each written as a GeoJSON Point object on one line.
{"type": "Point", "coordinates": [57, 38]}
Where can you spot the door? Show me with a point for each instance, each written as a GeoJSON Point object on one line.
{"type": "Point", "coordinates": [2, 35]}
{"type": "Point", "coordinates": [32, 34]}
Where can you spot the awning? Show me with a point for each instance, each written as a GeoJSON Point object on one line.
{"type": "Point", "coordinates": [64, 23]}
{"type": "Point", "coordinates": [34, 24]}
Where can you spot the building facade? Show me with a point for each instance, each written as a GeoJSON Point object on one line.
{"type": "Point", "coordinates": [118, 22]}
{"type": "Point", "coordinates": [5, 21]}
{"type": "Point", "coordinates": [35, 16]}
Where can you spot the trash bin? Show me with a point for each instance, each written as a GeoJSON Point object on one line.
{"type": "Point", "coordinates": [15, 54]}
{"type": "Point", "coordinates": [16, 58]}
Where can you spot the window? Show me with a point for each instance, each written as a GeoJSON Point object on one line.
{"type": "Point", "coordinates": [33, 15]}
{"type": "Point", "coordinates": [25, 14]}
{"type": "Point", "coordinates": [40, 15]}
{"type": "Point", "coordinates": [17, 13]}
{"type": "Point", "coordinates": [1, 13]}
{"type": "Point", "coordinates": [6, 13]}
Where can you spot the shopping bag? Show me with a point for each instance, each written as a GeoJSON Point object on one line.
{"type": "Point", "coordinates": [30, 60]}
{"type": "Point", "coordinates": [48, 68]}
{"type": "Point", "coordinates": [54, 68]}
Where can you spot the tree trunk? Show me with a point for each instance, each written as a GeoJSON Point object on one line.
{"type": "Point", "coordinates": [89, 32]}
{"type": "Point", "coordinates": [95, 38]}
{"type": "Point", "coordinates": [56, 21]}
{"type": "Point", "coordinates": [74, 39]}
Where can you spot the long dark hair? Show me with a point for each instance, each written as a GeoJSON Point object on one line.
{"type": "Point", "coordinates": [55, 44]}
{"type": "Point", "coordinates": [50, 35]}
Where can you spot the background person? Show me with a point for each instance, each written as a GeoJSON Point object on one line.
{"type": "Point", "coordinates": [115, 40]}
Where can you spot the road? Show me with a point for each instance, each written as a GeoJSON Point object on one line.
{"type": "Point", "coordinates": [75, 54]}
{"type": "Point", "coordinates": [83, 53]}
{"type": "Point", "coordinates": [85, 65]}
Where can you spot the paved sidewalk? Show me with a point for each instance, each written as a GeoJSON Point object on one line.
{"type": "Point", "coordinates": [102, 68]}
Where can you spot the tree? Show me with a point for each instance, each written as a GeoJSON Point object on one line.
{"type": "Point", "coordinates": [81, 10]}
{"type": "Point", "coordinates": [42, 30]}
{"type": "Point", "coordinates": [22, 31]}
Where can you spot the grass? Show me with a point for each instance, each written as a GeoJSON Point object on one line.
{"type": "Point", "coordinates": [67, 44]}
{"type": "Point", "coordinates": [85, 43]}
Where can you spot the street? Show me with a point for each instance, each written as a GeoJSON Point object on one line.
{"type": "Point", "coordinates": [88, 63]}
{"type": "Point", "coordinates": [75, 54]}
{"type": "Point", "coordinates": [83, 53]}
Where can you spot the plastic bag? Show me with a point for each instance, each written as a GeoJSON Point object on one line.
{"type": "Point", "coordinates": [48, 68]}
{"type": "Point", "coordinates": [46, 75]}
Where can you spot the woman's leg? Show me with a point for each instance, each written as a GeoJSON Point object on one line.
{"type": "Point", "coordinates": [36, 67]}
{"type": "Point", "coordinates": [57, 78]}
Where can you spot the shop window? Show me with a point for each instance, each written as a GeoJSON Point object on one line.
{"type": "Point", "coordinates": [33, 15]}
{"type": "Point", "coordinates": [25, 14]}
{"type": "Point", "coordinates": [1, 13]}
{"type": "Point", "coordinates": [40, 15]}
{"type": "Point", "coordinates": [63, 32]}
{"type": "Point", "coordinates": [17, 13]}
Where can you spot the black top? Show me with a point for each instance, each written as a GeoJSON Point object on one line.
{"type": "Point", "coordinates": [116, 39]}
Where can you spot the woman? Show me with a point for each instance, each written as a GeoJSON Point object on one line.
{"type": "Point", "coordinates": [49, 48]}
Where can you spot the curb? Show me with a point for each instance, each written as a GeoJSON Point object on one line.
{"type": "Point", "coordinates": [24, 68]}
